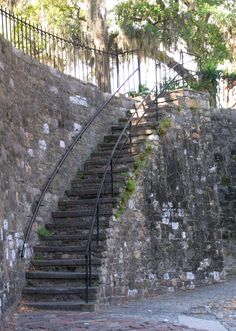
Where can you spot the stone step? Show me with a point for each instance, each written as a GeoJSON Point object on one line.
{"type": "Point", "coordinates": [95, 182]}
{"type": "Point", "coordinates": [120, 127]}
{"type": "Point", "coordinates": [73, 203]}
{"type": "Point", "coordinates": [77, 305]}
{"type": "Point", "coordinates": [149, 116]}
{"type": "Point", "coordinates": [100, 171]}
{"type": "Point", "coordinates": [95, 162]}
{"type": "Point", "coordinates": [46, 275]}
{"type": "Point", "coordinates": [65, 255]}
{"type": "Point", "coordinates": [59, 292]}
{"type": "Point", "coordinates": [81, 213]}
{"type": "Point", "coordinates": [63, 249]}
{"type": "Point", "coordinates": [110, 145]}
{"type": "Point", "coordinates": [64, 224]}
{"type": "Point", "coordinates": [58, 278]}
{"type": "Point", "coordinates": [75, 265]}
{"type": "Point", "coordinates": [90, 192]}
{"type": "Point", "coordinates": [135, 137]}
{"type": "Point", "coordinates": [79, 240]}
{"type": "Point", "coordinates": [106, 154]}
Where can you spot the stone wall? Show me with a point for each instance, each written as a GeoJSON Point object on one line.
{"type": "Point", "coordinates": [41, 110]}
{"type": "Point", "coordinates": [170, 235]}
{"type": "Point", "coordinates": [224, 136]}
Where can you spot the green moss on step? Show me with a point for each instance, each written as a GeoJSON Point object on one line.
{"type": "Point", "coordinates": [43, 233]}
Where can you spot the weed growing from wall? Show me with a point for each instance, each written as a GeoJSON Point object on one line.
{"type": "Point", "coordinates": [164, 125]}
{"type": "Point", "coordinates": [131, 182]}
{"type": "Point", "coordinates": [43, 233]}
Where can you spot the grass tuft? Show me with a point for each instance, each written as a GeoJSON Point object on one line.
{"type": "Point", "coordinates": [43, 233]}
{"type": "Point", "coordinates": [164, 125]}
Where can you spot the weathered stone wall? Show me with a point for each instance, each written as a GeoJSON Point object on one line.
{"type": "Point", "coordinates": [40, 112]}
{"type": "Point", "coordinates": [224, 136]}
{"type": "Point", "coordinates": [169, 236]}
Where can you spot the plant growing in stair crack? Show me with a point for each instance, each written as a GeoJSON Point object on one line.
{"type": "Point", "coordinates": [80, 175]}
{"type": "Point", "coordinates": [43, 232]}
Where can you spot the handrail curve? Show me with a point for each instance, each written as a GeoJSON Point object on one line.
{"type": "Point", "coordinates": [111, 164]}
{"type": "Point", "coordinates": [62, 160]}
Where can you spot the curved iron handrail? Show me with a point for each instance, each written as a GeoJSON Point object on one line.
{"type": "Point", "coordinates": [99, 199]}
{"type": "Point", "coordinates": [110, 164]}
{"type": "Point", "coordinates": [62, 160]}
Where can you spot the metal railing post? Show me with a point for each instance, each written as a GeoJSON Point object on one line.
{"type": "Point", "coordinates": [98, 225]}
{"type": "Point", "coordinates": [90, 267]}
{"type": "Point", "coordinates": [182, 63]}
{"type": "Point", "coordinates": [130, 138]}
{"type": "Point", "coordinates": [112, 179]}
{"type": "Point", "coordinates": [86, 271]}
{"type": "Point", "coordinates": [117, 67]}
{"type": "Point", "coordinates": [156, 90]}
{"type": "Point", "coordinates": [139, 74]}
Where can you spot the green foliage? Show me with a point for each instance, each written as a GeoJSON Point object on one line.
{"type": "Point", "coordinates": [43, 232]}
{"type": "Point", "coordinates": [61, 16]}
{"type": "Point", "coordinates": [143, 92]}
{"type": "Point", "coordinates": [164, 125]}
{"type": "Point", "coordinates": [80, 175]}
{"type": "Point", "coordinates": [131, 182]}
{"type": "Point", "coordinates": [129, 190]}
{"type": "Point", "coordinates": [208, 80]}
{"type": "Point", "coordinates": [142, 159]}
{"type": "Point", "coordinates": [171, 85]}
{"type": "Point", "coordinates": [198, 23]}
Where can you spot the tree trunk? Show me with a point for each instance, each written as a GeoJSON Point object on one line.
{"type": "Point", "coordinates": [98, 25]}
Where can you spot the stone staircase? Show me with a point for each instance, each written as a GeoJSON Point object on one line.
{"type": "Point", "coordinates": [56, 278]}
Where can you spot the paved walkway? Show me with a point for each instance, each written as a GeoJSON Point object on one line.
{"type": "Point", "coordinates": [212, 308]}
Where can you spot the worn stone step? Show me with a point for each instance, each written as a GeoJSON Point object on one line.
{"type": "Point", "coordinates": [77, 305]}
{"type": "Point", "coordinates": [95, 182]}
{"type": "Point", "coordinates": [74, 203]}
{"type": "Point", "coordinates": [110, 146]}
{"type": "Point", "coordinates": [83, 193]}
{"type": "Point", "coordinates": [46, 275]}
{"type": "Point", "coordinates": [62, 252]}
{"type": "Point", "coordinates": [80, 240]}
{"type": "Point", "coordinates": [63, 249]}
{"type": "Point", "coordinates": [121, 126]}
{"type": "Point", "coordinates": [80, 213]}
{"type": "Point", "coordinates": [51, 255]}
{"type": "Point", "coordinates": [59, 292]}
{"type": "Point", "coordinates": [73, 231]}
{"type": "Point", "coordinates": [106, 154]}
{"type": "Point", "coordinates": [65, 264]}
{"type": "Point", "coordinates": [66, 224]}
{"type": "Point", "coordinates": [95, 162]}
{"type": "Point", "coordinates": [100, 171]}
{"type": "Point", "coordinates": [59, 278]}
{"type": "Point", "coordinates": [135, 137]}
